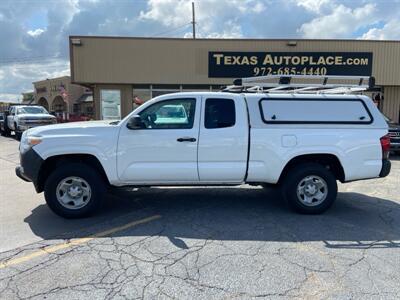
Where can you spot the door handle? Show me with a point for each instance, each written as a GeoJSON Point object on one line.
{"type": "Point", "coordinates": [186, 139]}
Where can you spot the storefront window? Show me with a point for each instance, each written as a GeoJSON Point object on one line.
{"type": "Point", "coordinates": [160, 92]}
{"type": "Point", "coordinates": [196, 88]}
{"type": "Point", "coordinates": [110, 104]}
{"type": "Point", "coordinates": [77, 108]}
{"type": "Point", "coordinates": [140, 96]}
{"type": "Point", "coordinates": [143, 93]}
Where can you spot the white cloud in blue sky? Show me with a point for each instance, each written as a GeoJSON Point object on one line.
{"type": "Point", "coordinates": [34, 33]}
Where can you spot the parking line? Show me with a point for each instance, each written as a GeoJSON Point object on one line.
{"type": "Point", "coordinates": [79, 241]}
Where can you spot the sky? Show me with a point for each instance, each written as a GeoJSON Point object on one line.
{"type": "Point", "coordinates": [34, 33]}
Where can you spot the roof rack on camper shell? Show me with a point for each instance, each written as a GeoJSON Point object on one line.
{"type": "Point", "coordinates": [302, 84]}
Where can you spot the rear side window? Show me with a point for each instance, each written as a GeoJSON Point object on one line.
{"type": "Point", "coordinates": [219, 113]}
{"type": "Point", "coordinates": [314, 111]}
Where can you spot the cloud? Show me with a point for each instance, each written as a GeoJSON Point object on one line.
{"type": "Point", "coordinates": [339, 23]}
{"type": "Point", "coordinates": [230, 30]}
{"type": "Point", "coordinates": [215, 18]}
{"type": "Point", "coordinates": [390, 31]}
{"type": "Point", "coordinates": [315, 6]}
{"type": "Point", "coordinates": [18, 77]}
{"type": "Point", "coordinates": [36, 32]}
{"type": "Point", "coordinates": [167, 12]}
{"type": "Point", "coordinates": [12, 98]}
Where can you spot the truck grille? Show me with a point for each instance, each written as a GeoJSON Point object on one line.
{"type": "Point", "coordinates": [38, 121]}
{"type": "Point", "coordinates": [394, 134]}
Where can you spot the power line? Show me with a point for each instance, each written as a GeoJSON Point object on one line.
{"type": "Point", "coordinates": [23, 57]}
{"type": "Point", "coordinates": [30, 59]}
{"type": "Point", "coordinates": [25, 60]}
{"type": "Point", "coordinates": [45, 64]}
{"type": "Point", "coordinates": [172, 29]}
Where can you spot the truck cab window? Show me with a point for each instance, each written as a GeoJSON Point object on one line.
{"type": "Point", "coordinates": [169, 114]}
{"type": "Point", "coordinates": [219, 113]}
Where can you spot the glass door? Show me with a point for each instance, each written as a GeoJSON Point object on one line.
{"type": "Point", "coordinates": [110, 104]}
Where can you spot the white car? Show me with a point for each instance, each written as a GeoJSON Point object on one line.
{"type": "Point", "coordinates": [23, 117]}
{"type": "Point", "coordinates": [305, 142]}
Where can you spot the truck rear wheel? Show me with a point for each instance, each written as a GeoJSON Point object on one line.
{"type": "Point", "coordinates": [310, 188]}
{"type": "Point", "coordinates": [75, 190]}
{"type": "Point", "coordinates": [6, 131]}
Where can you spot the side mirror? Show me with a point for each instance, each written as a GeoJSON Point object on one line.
{"type": "Point", "coordinates": [135, 123]}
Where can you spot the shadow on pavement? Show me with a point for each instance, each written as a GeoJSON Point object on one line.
{"type": "Point", "coordinates": [355, 220]}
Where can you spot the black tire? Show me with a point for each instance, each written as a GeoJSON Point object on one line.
{"type": "Point", "coordinates": [6, 131]}
{"type": "Point", "coordinates": [295, 177]}
{"type": "Point", "coordinates": [18, 135]}
{"type": "Point", "coordinates": [95, 181]}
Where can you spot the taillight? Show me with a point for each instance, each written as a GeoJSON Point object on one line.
{"type": "Point", "coordinates": [385, 144]}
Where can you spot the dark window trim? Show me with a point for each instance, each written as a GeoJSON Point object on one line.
{"type": "Point", "coordinates": [166, 86]}
{"type": "Point", "coordinates": [141, 86]}
{"type": "Point", "coordinates": [196, 86]}
{"type": "Point", "coordinates": [167, 100]}
{"type": "Point", "coordinates": [205, 105]}
{"type": "Point", "coordinates": [315, 122]}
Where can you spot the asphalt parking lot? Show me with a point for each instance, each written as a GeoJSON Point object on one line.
{"type": "Point", "coordinates": [211, 243]}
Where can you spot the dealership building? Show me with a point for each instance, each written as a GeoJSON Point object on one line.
{"type": "Point", "coordinates": [121, 70]}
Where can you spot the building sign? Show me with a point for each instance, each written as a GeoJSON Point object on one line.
{"type": "Point", "coordinates": [248, 64]}
{"type": "Point", "coordinates": [40, 90]}
{"type": "Point", "coordinates": [57, 87]}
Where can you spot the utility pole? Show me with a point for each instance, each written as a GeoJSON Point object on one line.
{"type": "Point", "coordinates": [193, 21]}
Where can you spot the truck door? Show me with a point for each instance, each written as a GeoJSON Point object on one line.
{"type": "Point", "coordinates": [223, 139]}
{"type": "Point", "coordinates": [10, 118]}
{"type": "Point", "coordinates": [164, 150]}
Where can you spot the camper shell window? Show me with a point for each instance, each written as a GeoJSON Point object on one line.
{"type": "Point", "coordinates": [314, 111]}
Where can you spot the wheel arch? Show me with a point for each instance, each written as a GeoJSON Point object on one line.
{"type": "Point", "coordinates": [330, 161]}
{"type": "Point", "coordinates": [51, 163]}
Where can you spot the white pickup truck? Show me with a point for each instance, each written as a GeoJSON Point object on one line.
{"type": "Point", "coordinates": [305, 142]}
{"type": "Point", "coordinates": [23, 117]}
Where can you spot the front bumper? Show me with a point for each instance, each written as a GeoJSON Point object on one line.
{"type": "Point", "coordinates": [19, 171]}
{"type": "Point", "coordinates": [386, 166]}
{"type": "Point", "coordinates": [23, 127]}
{"type": "Point", "coordinates": [394, 145]}
{"type": "Point", "coordinates": [30, 166]}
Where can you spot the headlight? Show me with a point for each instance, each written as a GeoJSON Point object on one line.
{"type": "Point", "coordinates": [27, 142]}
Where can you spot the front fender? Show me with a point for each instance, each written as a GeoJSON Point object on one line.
{"type": "Point", "coordinates": [103, 150]}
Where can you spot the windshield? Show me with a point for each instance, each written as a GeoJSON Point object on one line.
{"type": "Point", "coordinates": [31, 110]}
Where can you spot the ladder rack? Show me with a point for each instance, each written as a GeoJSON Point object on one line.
{"type": "Point", "coordinates": [302, 84]}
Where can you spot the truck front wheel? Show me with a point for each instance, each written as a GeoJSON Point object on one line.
{"type": "Point", "coordinates": [18, 135]}
{"type": "Point", "coordinates": [310, 188]}
{"type": "Point", "coordinates": [75, 190]}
